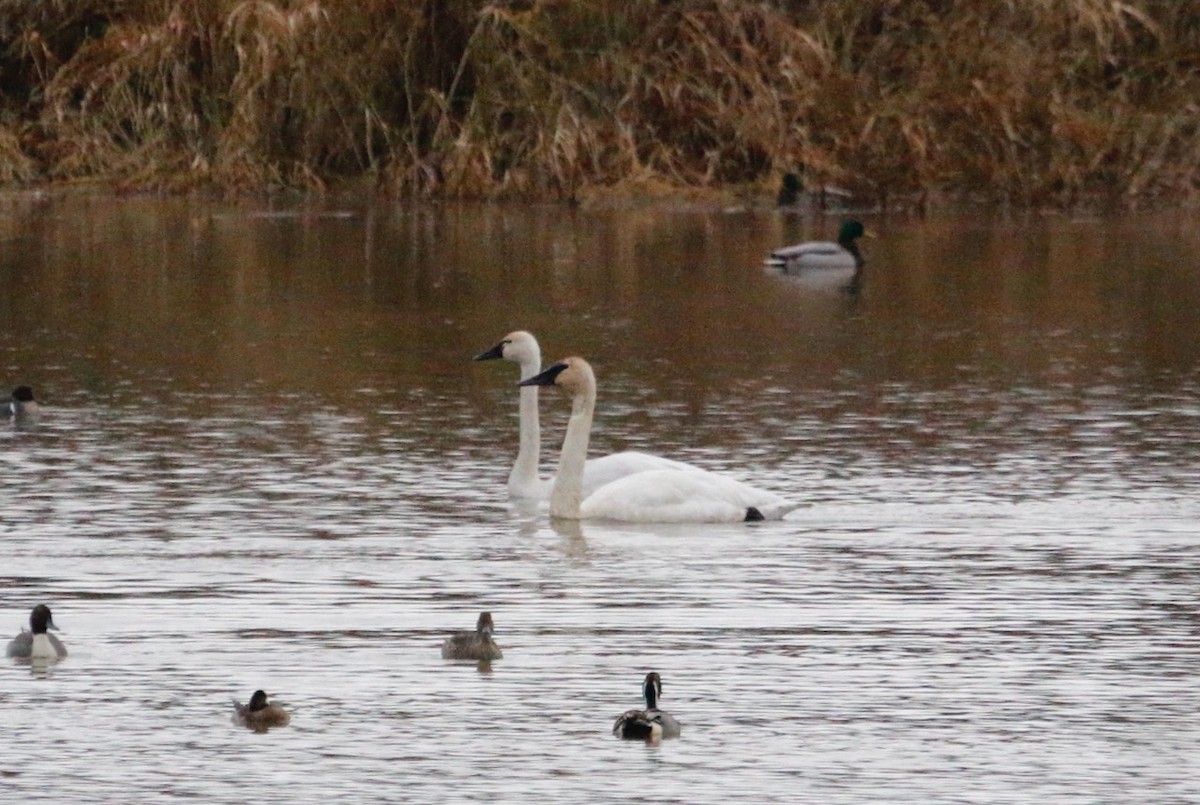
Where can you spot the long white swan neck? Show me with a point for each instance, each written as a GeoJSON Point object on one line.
{"type": "Point", "coordinates": [524, 475]}
{"type": "Point", "coordinates": [567, 495]}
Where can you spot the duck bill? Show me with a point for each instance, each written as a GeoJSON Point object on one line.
{"type": "Point", "coordinates": [546, 378]}
{"type": "Point", "coordinates": [493, 354]}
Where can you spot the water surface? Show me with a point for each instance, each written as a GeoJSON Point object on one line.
{"type": "Point", "coordinates": [266, 460]}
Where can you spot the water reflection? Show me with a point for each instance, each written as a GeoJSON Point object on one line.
{"type": "Point", "coordinates": [266, 461]}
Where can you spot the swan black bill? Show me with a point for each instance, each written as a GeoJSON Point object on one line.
{"type": "Point", "coordinates": [493, 354]}
{"type": "Point", "coordinates": [546, 378]}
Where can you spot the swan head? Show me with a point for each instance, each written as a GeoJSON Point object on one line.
{"type": "Point", "coordinates": [518, 347]}
{"type": "Point", "coordinates": [652, 690]}
{"type": "Point", "coordinates": [484, 625]}
{"type": "Point", "coordinates": [572, 375]}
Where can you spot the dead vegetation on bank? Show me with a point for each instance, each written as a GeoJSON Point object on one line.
{"type": "Point", "coordinates": [1032, 102]}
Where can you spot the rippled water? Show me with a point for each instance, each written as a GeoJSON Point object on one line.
{"type": "Point", "coordinates": [267, 461]}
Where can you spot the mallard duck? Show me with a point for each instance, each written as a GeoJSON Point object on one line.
{"type": "Point", "coordinates": [260, 714]}
{"type": "Point", "coordinates": [793, 193]}
{"type": "Point", "coordinates": [476, 645]}
{"type": "Point", "coordinates": [823, 254]}
{"type": "Point", "coordinates": [37, 644]}
{"type": "Point", "coordinates": [650, 724]}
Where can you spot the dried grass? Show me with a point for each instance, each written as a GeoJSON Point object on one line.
{"type": "Point", "coordinates": [1028, 101]}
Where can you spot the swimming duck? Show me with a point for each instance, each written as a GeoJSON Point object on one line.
{"type": "Point", "coordinates": [653, 496]}
{"type": "Point", "coordinates": [650, 724]}
{"type": "Point", "coordinates": [823, 254]}
{"type": "Point", "coordinates": [260, 714]}
{"type": "Point", "coordinates": [476, 645]}
{"type": "Point", "coordinates": [37, 644]}
{"type": "Point", "coordinates": [522, 348]}
{"type": "Point", "coordinates": [21, 404]}
{"type": "Point", "coordinates": [792, 193]}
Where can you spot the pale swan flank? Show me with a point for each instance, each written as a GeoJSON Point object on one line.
{"type": "Point", "coordinates": [522, 348]}
{"type": "Point", "coordinates": [650, 724]}
{"type": "Point", "coordinates": [653, 496]}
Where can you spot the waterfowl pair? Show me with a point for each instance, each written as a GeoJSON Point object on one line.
{"type": "Point", "coordinates": [37, 643]}
{"type": "Point", "coordinates": [260, 714]}
{"type": "Point", "coordinates": [652, 496]}
{"type": "Point", "coordinates": [522, 348]}
{"type": "Point", "coordinates": [650, 724]}
{"type": "Point", "coordinates": [476, 645]}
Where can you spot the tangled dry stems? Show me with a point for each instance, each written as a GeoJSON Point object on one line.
{"type": "Point", "coordinates": [1031, 102]}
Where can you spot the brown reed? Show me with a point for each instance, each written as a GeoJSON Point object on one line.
{"type": "Point", "coordinates": [1029, 102]}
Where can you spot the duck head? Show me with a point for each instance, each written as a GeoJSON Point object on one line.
{"type": "Point", "coordinates": [40, 619]}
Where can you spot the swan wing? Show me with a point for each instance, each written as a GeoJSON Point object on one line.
{"type": "Point", "coordinates": [674, 496]}
{"type": "Point", "coordinates": [602, 471]}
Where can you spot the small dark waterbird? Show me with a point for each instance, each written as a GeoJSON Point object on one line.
{"type": "Point", "coordinates": [650, 724]}
{"type": "Point", "coordinates": [476, 645]}
{"type": "Point", "coordinates": [260, 714]}
{"type": "Point", "coordinates": [37, 643]}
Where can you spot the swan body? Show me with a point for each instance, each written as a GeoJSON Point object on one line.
{"type": "Point", "coordinates": [476, 645]}
{"type": "Point", "coordinates": [260, 714]}
{"type": "Point", "coordinates": [37, 644]}
{"type": "Point", "coordinates": [650, 724]}
{"type": "Point", "coordinates": [653, 496]}
{"type": "Point", "coordinates": [522, 348]}
{"type": "Point", "coordinates": [843, 254]}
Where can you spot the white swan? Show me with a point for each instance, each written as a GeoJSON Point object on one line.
{"type": "Point", "coordinates": [653, 496]}
{"type": "Point", "coordinates": [522, 348]}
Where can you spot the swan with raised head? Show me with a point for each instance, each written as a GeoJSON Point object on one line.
{"type": "Point", "coordinates": [650, 724]}
{"type": "Point", "coordinates": [522, 348]}
{"type": "Point", "coordinates": [653, 496]}
{"type": "Point", "coordinates": [37, 643]}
